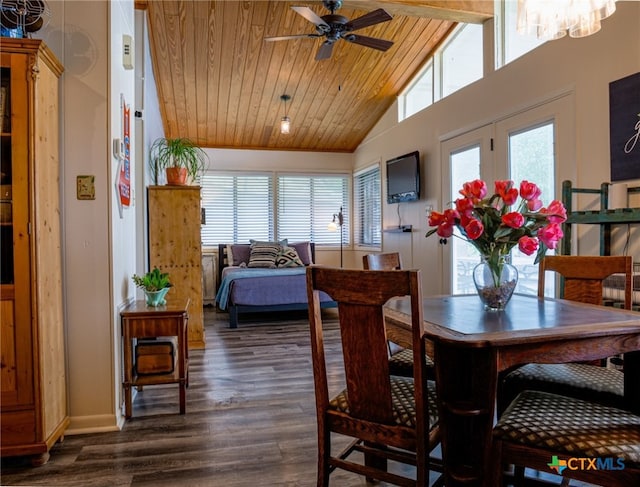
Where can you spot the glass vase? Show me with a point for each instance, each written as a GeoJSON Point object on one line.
{"type": "Point", "coordinates": [495, 281]}
{"type": "Point", "coordinates": [156, 298]}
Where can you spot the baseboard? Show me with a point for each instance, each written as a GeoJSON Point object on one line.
{"type": "Point", "coordinates": [81, 425]}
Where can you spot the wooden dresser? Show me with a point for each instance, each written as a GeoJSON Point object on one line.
{"type": "Point", "coordinates": [174, 247]}
{"type": "Point", "coordinates": [34, 403]}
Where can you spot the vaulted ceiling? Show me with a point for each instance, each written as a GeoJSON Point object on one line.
{"type": "Point", "coordinates": [220, 83]}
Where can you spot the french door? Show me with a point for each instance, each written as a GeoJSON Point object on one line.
{"type": "Point", "coordinates": [538, 145]}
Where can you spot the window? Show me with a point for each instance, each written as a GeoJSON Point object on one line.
{"type": "Point", "coordinates": [461, 59]}
{"type": "Point", "coordinates": [306, 205]}
{"type": "Point", "coordinates": [455, 65]}
{"type": "Point", "coordinates": [238, 207]}
{"type": "Point", "coordinates": [367, 201]}
{"type": "Point", "coordinates": [420, 93]}
{"type": "Point", "coordinates": [509, 43]}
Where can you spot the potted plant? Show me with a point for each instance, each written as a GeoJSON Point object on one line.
{"type": "Point", "coordinates": [155, 285]}
{"type": "Point", "coordinates": [180, 158]}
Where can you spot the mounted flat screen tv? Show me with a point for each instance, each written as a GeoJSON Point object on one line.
{"type": "Point", "coordinates": [403, 178]}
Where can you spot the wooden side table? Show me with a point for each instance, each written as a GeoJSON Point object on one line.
{"type": "Point", "coordinates": [142, 321]}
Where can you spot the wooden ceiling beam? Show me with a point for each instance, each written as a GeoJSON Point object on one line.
{"type": "Point", "coordinates": [467, 11]}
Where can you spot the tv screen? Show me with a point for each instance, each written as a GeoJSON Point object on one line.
{"type": "Point", "coordinates": [403, 178]}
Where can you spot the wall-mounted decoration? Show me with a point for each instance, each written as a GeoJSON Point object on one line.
{"type": "Point", "coordinates": [624, 126]}
{"type": "Point", "coordinates": [123, 178]}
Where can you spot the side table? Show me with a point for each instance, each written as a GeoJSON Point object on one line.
{"type": "Point", "coordinates": [141, 321]}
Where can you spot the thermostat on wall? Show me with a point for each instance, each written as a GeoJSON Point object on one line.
{"type": "Point", "coordinates": [127, 51]}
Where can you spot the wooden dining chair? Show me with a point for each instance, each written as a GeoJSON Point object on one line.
{"type": "Point", "coordinates": [400, 358]}
{"type": "Point", "coordinates": [388, 417]}
{"type": "Point", "coordinates": [583, 281]}
{"type": "Point", "coordinates": [385, 261]}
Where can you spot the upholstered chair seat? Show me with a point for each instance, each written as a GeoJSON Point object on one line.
{"type": "Point", "coordinates": [600, 384]}
{"type": "Point", "coordinates": [403, 402]}
{"type": "Point", "coordinates": [538, 426]}
{"type": "Point", "coordinates": [401, 363]}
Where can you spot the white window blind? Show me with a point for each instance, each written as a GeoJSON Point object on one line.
{"type": "Point", "coordinates": [367, 207]}
{"type": "Point", "coordinates": [238, 207]}
{"type": "Point", "coordinates": [306, 205]}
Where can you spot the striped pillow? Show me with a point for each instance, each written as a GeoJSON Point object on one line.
{"type": "Point", "coordinates": [264, 254]}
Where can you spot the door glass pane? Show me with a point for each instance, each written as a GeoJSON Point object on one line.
{"type": "Point", "coordinates": [531, 157]}
{"type": "Point", "coordinates": [465, 166]}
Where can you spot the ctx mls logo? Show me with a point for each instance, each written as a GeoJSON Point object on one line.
{"type": "Point", "coordinates": [582, 463]}
{"type": "Point", "coordinates": [557, 465]}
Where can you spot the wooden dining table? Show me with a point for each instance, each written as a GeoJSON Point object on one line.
{"type": "Point", "coordinates": [471, 347]}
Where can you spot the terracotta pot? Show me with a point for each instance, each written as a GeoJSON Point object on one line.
{"type": "Point", "coordinates": [176, 176]}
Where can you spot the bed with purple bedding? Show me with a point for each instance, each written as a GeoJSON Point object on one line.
{"type": "Point", "coordinates": [244, 289]}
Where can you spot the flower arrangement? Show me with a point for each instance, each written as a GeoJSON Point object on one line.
{"type": "Point", "coordinates": [492, 225]}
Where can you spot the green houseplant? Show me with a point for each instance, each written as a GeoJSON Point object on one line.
{"type": "Point", "coordinates": [180, 158]}
{"type": "Point", "coordinates": [155, 285]}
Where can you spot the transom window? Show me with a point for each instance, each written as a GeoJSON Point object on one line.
{"type": "Point", "coordinates": [458, 63]}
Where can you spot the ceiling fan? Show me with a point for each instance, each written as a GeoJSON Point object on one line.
{"type": "Point", "coordinates": [334, 27]}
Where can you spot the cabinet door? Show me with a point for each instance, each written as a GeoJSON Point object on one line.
{"type": "Point", "coordinates": [15, 303]}
{"type": "Point", "coordinates": [174, 247]}
{"type": "Point", "coordinates": [208, 278]}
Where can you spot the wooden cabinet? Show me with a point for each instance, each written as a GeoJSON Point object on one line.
{"type": "Point", "coordinates": [33, 382]}
{"type": "Point", "coordinates": [174, 247]}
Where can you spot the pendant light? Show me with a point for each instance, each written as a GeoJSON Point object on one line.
{"type": "Point", "coordinates": [285, 123]}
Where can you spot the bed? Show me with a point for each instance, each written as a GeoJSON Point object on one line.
{"type": "Point", "coordinates": [245, 289]}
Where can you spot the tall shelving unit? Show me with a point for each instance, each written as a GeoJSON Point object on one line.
{"type": "Point", "coordinates": [603, 217]}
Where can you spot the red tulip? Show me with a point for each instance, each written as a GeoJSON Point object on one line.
{"type": "Point", "coordinates": [550, 235]}
{"type": "Point", "coordinates": [528, 245]}
{"type": "Point", "coordinates": [474, 228]}
{"type": "Point", "coordinates": [556, 212]}
{"type": "Point", "coordinates": [529, 191]}
{"type": "Point", "coordinates": [476, 189]}
{"type": "Point", "coordinates": [513, 219]}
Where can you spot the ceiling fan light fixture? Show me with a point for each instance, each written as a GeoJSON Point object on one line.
{"type": "Point", "coordinates": [285, 122]}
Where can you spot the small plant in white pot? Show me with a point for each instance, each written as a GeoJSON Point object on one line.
{"type": "Point", "coordinates": [180, 158]}
{"type": "Point", "coordinates": [155, 285]}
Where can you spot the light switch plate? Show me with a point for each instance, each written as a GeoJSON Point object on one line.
{"type": "Point", "coordinates": [86, 187]}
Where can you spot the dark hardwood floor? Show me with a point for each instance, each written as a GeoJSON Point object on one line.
{"type": "Point", "coordinates": [250, 419]}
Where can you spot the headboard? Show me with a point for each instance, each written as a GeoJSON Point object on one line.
{"type": "Point", "coordinates": [223, 257]}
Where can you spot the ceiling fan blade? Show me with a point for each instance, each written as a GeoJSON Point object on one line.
{"type": "Point", "coordinates": [312, 17]}
{"type": "Point", "coordinates": [325, 51]}
{"type": "Point", "coordinates": [287, 38]}
{"type": "Point", "coordinates": [379, 44]}
{"type": "Point", "coordinates": [372, 18]}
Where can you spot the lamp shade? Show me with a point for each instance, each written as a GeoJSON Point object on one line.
{"type": "Point", "coordinates": [285, 125]}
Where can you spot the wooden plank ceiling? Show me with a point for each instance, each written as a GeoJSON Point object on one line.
{"type": "Point", "coordinates": [220, 83]}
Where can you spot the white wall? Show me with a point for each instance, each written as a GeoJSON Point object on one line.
{"type": "Point", "coordinates": [581, 66]}
{"type": "Point", "coordinates": [98, 246]}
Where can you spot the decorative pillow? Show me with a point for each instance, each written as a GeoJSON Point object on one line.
{"type": "Point", "coordinates": [288, 257]}
{"type": "Point", "coordinates": [304, 252]}
{"type": "Point", "coordinates": [264, 254]}
{"type": "Point", "coordinates": [238, 253]}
